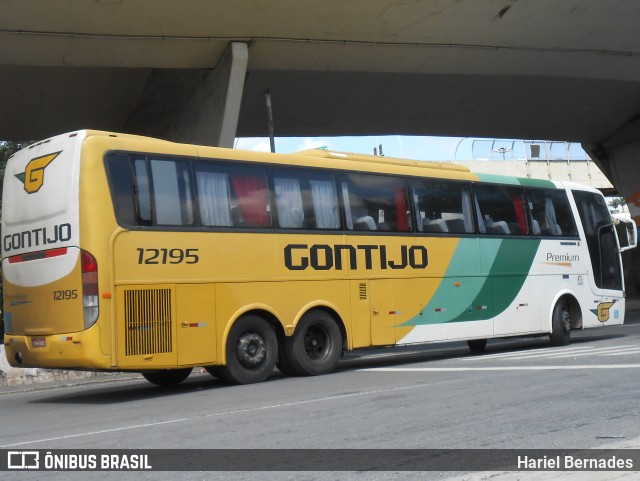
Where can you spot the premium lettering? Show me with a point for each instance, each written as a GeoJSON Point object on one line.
{"type": "Point", "coordinates": [323, 257]}
{"type": "Point", "coordinates": [562, 257]}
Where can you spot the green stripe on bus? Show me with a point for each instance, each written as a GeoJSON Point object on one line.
{"type": "Point", "coordinates": [468, 294]}
{"type": "Point", "coordinates": [537, 183]}
{"type": "Point", "coordinates": [523, 181]}
{"type": "Point", "coordinates": [498, 179]}
{"type": "Point", "coordinates": [510, 270]}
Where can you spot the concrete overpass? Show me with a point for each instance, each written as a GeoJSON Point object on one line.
{"type": "Point", "coordinates": [197, 71]}
{"type": "Point", "coordinates": [534, 159]}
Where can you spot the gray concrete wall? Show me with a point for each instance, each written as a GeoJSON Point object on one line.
{"type": "Point", "coordinates": [196, 106]}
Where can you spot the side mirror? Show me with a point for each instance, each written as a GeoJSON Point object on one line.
{"type": "Point", "coordinates": [627, 233]}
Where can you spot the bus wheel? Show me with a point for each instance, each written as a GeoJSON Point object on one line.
{"type": "Point", "coordinates": [315, 346]}
{"type": "Point", "coordinates": [477, 345]}
{"type": "Point", "coordinates": [560, 325]}
{"type": "Point", "coordinates": [252, 351]}
{"type": "Point", "coordinates": [168, 377]}
{"type": "Point", "coordinates": [283, 364]}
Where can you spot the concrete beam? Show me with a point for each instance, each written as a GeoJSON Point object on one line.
{"type": "Point", "coordinates": [197, 106]}
{"type": "Point", "coordinates": [618, 159]}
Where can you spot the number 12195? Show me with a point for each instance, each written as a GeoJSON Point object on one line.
{"type": "Point", "coordinates": [167, 256]}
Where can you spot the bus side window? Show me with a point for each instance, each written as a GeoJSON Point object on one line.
{"type": "Point", "coordinates": [142, 191]}
{"type": "Point", "coordinates": [306, 200]}
{"type": "Point", "coordinates": [564, 216]}
{"type": "Point", "coordinates": [520, 226]}
{"type": "Point", "coordinates": [501, 209]}
{"type": "Point", "coordinates": [122, 188]}
{"type": "Point", "coordinates": [550, 212]}
{"type": "Point", "coordinates": [325, 203]}
{"type": "Point", "coordinates": [443, 206]}
{"type": "Point", "coordinates": [250, 198]}
{"type": "Point", "coordinates": [376, 202]}
{"type": "Point", "coordinates": [149, 192]}
{"type": "Point", "coordinates": [171, 192]}
{"type": "Point", "coordinates": [288, 202]}
{"type": "Point", "coordinates": [213, 197]}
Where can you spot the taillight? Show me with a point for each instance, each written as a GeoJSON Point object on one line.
{"type": "Point", "coordinates": [89, 288]}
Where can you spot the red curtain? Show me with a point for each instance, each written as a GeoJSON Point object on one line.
{"type": "Point", "coordinates": [401, 210]}
{"type": "Point", "coordinates": [251, 191]}
{"type": "Point", "coordinates": [518, 207]}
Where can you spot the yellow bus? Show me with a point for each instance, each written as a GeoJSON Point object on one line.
{"type": "Point", "coordinates": [127, 253]}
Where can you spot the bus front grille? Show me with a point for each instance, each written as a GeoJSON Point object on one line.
{"type": "Point", "coordinates": [147, 321]}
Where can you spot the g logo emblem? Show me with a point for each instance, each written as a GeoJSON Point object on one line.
{"type": "Point", "coordinates": [33, 175]}
{"type": "Point", "coordinates": [603, 311]}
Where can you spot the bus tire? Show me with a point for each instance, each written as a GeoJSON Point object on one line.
{"type": "Point", "coordinates": [477, 345]}
{"type": "Point", "coordinates": [283, 364]}
{"type": "Point", "coordinates": [316, 345]}
{"type": "Point", "coordinates": [252, 351]}
{"type": "Point", "coordinates": [560, 324]}
{"type": "Point", "coordinates": [167, 377]}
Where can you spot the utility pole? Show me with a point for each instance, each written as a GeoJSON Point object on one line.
{"type": "Point", "coordinates": [272, 140]}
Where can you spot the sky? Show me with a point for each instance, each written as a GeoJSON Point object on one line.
{"type": "Point", "coordinates": [409, 147]}
{"type": "Point", "coordinates": [419, 147]}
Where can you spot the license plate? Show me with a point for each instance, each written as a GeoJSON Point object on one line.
{"type": "Point", "coordinates": [38, 342]}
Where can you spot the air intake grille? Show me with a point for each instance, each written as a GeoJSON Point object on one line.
{"type": "Point", "coordinates": [147, 317]}
{"type": "Point", "coordinates": [363, 291]}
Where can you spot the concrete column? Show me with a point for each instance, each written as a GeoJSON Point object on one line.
{"type": "Point", "coordinates": [619, 159]}
{"type": "Point", "coordinates": [230, 72]}
{"type": "Point", "coordinates": [196, 106]}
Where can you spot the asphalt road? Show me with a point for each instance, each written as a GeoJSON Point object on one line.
{"type": "Point", "coordinates": [520, 393]}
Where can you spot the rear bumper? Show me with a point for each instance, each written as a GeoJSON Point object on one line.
{"type": "Point", "coordinates": [77, 350]}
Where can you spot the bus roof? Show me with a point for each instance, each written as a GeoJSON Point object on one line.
{"type": "Point", "coordinates": [336, 159]}
{"type": "Point", "coordinates": [332, 154]}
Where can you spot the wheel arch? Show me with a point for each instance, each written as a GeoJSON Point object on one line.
{"type": "Point", "coordinates": [256, 309]}
{"type": "Point", "coordinates": [574, 309]}
{"type": "Point", "coordinates": [330, 309]}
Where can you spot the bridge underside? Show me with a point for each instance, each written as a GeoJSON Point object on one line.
{"type": "Point", "coordinates": [553, 69]}
{"type": "Point", "coordinates": [42, 101]}
{"type": "Point", "coordinates": [428, 104]}
{"type": "Point", "coordinates": [197, 71]}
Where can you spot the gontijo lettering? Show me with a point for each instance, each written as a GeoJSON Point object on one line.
{"type": "Point", "coordinates": [37, 237]}
{"type": "Point", "coordinates": [323, 257]}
